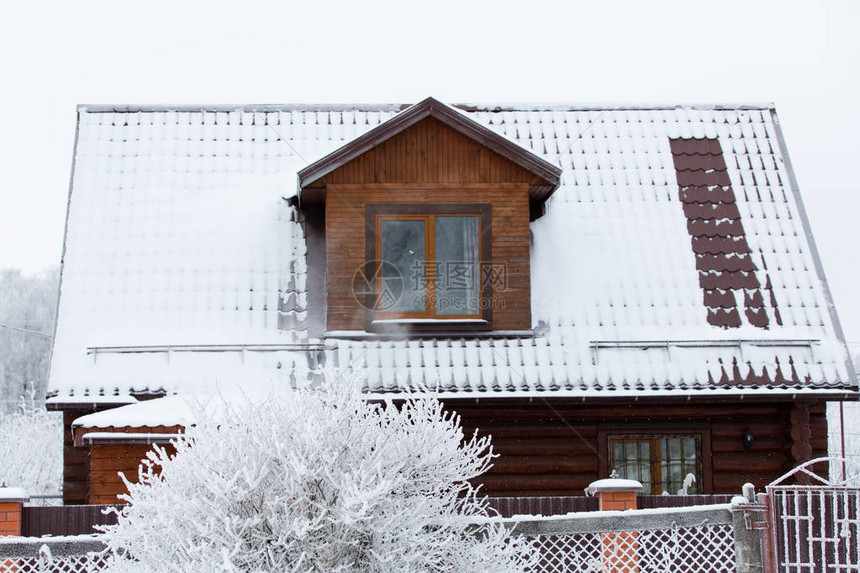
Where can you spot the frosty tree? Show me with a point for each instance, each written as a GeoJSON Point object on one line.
{"type": "Point", "coordinates": [317, 480]}
{"type": "Point", "coordinates": [27, 307]}
{"type": "Point", "coordinates": [31, 449]}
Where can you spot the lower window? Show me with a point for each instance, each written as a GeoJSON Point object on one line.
{"type": "Point", "coordinates": [664, 463]}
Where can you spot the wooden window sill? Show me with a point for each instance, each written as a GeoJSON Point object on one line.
{"type": "Point", "coordinates": [428, 325]}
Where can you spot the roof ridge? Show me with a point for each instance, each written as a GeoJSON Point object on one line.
{"type": "Point", "coordinates": [468, 107]}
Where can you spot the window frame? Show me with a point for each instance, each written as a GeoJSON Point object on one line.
{"type": "Point", "coordinates": [380, 321]}
{"type": "Point", "coordinates": [652, 432]}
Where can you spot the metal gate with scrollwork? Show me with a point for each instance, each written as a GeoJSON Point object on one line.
{"type": "Point", "coordinates": [815, 519]}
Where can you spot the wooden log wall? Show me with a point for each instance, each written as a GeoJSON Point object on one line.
{"type": "Point", "coordinates": [75, 461]}
{"type": "Point", "coordinates": [425, 164]}
{"type": "Point", "coordinates": [551, 448]}
{"type": "Point", "coordinates": [105, 463]}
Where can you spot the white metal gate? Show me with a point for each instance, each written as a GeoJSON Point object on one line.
{"type": "Point", "coordinates": [814, 519]}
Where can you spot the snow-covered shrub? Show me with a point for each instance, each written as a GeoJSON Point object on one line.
{"type": "Point", "coordinates": [317, 480]}
{"type": "Point", "coordinates": [31, 449]}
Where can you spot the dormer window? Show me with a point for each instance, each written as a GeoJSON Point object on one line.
{"type": "Point", "coordinates": [425, 214]}
{"type": "Point", "coordinates": [431, 263]}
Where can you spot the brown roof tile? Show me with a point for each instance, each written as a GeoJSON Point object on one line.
{"type": "Point", "coordinates": [702, 178]}
{"type": "Point", "coordinates": [728, 280]}
{"type": "Point", "coordinates": [715, 298]}
{"type": "Point", "coordinates": [720, 245]}
{"type": "Point", "coordinates": [707, 262]}
{"type": "Point", "coordinates": [724, 317]}
{"type": "Point", "coordinates": [711, 211]}
{"type": "Point", "coordinates": [714, 227]}
{"type": "Point", "coordinates": [714, 195]}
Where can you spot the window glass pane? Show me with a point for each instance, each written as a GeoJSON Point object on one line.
{"type": "Point", "coordinates": [689, 448]}
{"type": "Point", "coordinates": [676, 478]}
{"type": "Point", "coordinates": [617, 453]}
{"type": "Point", "coordinates": [631, 451]}
{"type": "Point", "coordinates": [457, 265]}
{"type": "Point", "coordinates": [402, 253]}
{"type": "Point", "coordinates": [674, 449]}
{"type": "Point", "coordinates": [645, 478]}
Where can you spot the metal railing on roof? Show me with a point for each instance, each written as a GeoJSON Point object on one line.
{"type": "Point", "coordinates": [737, 343]}
{"type": "Point", "coordinates": [168, 349]}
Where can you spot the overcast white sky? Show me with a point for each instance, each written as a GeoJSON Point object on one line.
{"type": "Point", "coordinates": [804, 57]}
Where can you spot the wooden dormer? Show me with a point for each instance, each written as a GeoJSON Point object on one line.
{"type": "Point", "coordinates": [446, 204]}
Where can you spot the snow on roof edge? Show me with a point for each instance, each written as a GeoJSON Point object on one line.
{"type": "Point", "coordinates": [818, 264]}
{"type": "Point", "coordinates": [124, 399]}
{"type": "Point", "coordinates": [462, 107]}
{"type": "Point", "coordinates": [849, 394]}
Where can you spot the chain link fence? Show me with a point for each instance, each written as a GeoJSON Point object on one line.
{"type": "Point", "coordinates": [699, 539]}
{"type": "Point", "coordinates": [642, 541]}
{"type": "Point", "coordinates": [78, 554]}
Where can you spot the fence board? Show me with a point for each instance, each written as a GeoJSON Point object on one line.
{"type": "Point", "coordinates": [559, 505]}
{"type": "Point", "coordinates": [63, 520]}
{"type": "Point", "coordinates": [550, 505]}
{"type": "Point", "coordinates": [654, 501]}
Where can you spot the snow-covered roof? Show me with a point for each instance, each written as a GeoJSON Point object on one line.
{"type": "Point", "coordinates": [185, 266]}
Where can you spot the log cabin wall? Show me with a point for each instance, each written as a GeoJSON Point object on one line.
{"type": "Point", "coordinates": [105, 463]}
{"type": "Point", "coordinates": [427, 163]}
{"type": "Point", "coordinates": [552, 447]}
{"type": "Point", "coordinates": [75, 461]}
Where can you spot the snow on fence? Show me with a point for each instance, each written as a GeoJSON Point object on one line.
{"type": "Point", "coordinates": [559, 505]}
{"type": "Point", "coordinates": [697, 539]}
{"type": "Point", "coordinates": [76, 554]}
{"type": "Point", "coordinates": [662, 540]}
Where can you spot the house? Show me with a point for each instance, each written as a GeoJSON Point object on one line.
{"type": "Point", "coordinates": [597, 288]}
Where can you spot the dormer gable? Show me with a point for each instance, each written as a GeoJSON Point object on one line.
{"type": "Point", "coordinates": [430, 142]}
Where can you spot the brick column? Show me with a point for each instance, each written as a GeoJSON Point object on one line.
{"type": "Point", "coordinates": [11, 505]}
{"type": "Point", "coordinates": [620, 549]}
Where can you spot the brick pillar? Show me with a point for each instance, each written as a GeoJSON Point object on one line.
{"type": "Point", "coordinates": [11, 506]}
{"type": "Point", "coordinates": [620, 549]}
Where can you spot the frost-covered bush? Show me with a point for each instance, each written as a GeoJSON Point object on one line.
{"type": "Point", "coordinates": [317, 480]}
{"type": "Point", "coordinates": [31, 449]}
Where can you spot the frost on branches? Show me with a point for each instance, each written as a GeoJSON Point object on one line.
{"type": "Point", "coordinates": [31, 449]}
{"type": "Point", "coordinates": [317, 480]}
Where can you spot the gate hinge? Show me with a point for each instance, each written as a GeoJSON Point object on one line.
{"type": "Point", "coordinates": [749, 517]}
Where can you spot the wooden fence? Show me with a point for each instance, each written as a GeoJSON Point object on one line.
{"type": "Point", "coordinates": [63, 520]}
{"type": "Point", "coordinates": [81, 519]}
{"type": "Point", "coordinates": [510, 506]}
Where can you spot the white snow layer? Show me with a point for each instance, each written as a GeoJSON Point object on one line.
{"type": "Point", "coordinates": [181, 249]}
{"type": "Point", "coordinates": [10, 494]}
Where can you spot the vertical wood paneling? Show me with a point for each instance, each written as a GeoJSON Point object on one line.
{"type": "Point", "coordinates": [64, 520]}
{"type": "Point", "coordinates": [429, 152]}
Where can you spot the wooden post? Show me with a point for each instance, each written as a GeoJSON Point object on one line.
{"type": "Point", "coordinates": [620, 549]}
{"type": "Point", "coordinates": [749, 529]}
